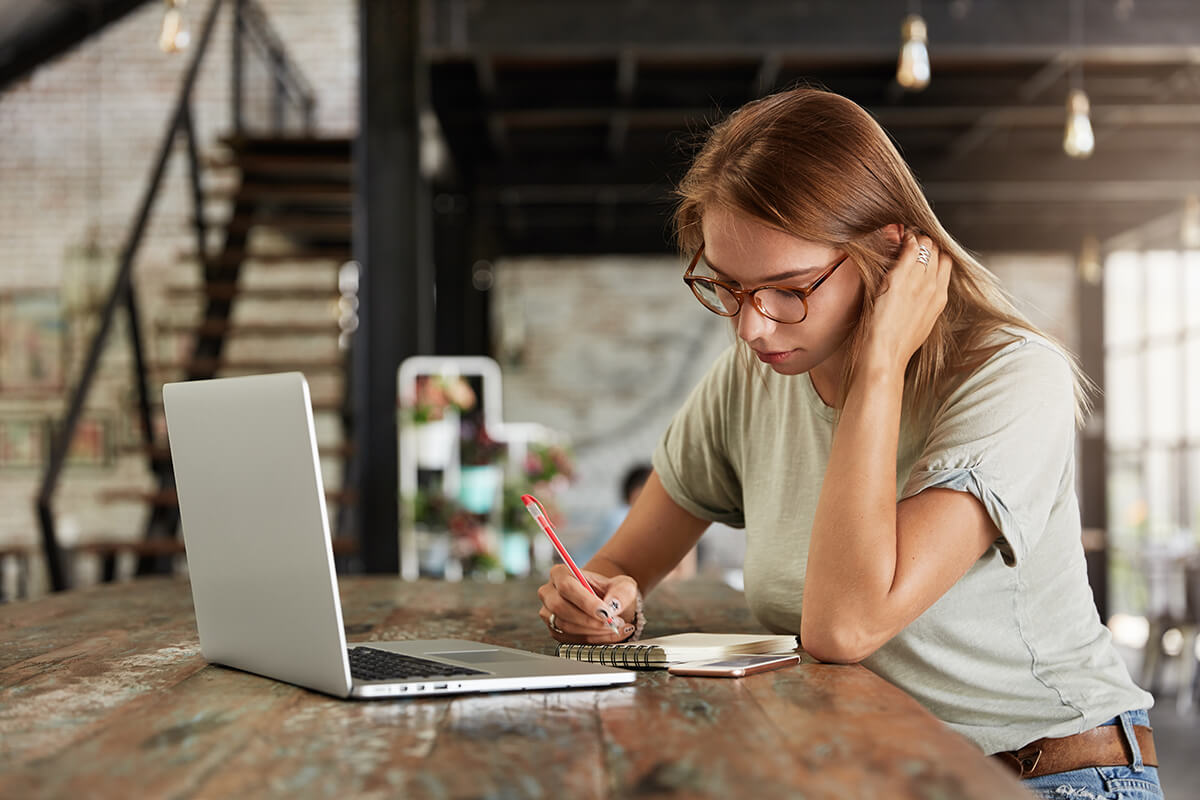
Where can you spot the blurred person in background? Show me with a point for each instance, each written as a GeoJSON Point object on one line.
{"type": "Point", "coordinates": [631, 486]}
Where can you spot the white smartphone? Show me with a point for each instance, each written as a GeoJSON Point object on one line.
{"type": "Point", "coordinates": [734, 666]}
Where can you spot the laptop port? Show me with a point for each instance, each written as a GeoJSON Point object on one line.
{"type": "Point", "coordinates": [440, 685]}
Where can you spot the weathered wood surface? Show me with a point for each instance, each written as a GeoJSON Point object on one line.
{"type": "Point", "coordinates": [103, 693]}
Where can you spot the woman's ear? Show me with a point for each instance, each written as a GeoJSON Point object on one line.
{"type": "Point", "coordinates": [891, 237]}
{"type": "Point", "coordinates": [894, 232]}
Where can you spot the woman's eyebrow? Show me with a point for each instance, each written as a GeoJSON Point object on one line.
{"type": "Point", "coordinates": [778, 278]}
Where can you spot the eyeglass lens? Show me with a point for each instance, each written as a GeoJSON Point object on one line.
{"type": "Point", "coordinates": [780, 305]}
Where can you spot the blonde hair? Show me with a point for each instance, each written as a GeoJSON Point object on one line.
{"type": "Point", "coordinates": [814, 164]}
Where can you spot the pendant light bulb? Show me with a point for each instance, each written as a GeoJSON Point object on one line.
{"type": "Point", "coordinates": [174, 36]}
{"type": "Point", "coordinates": [913, 70]}
{"type": "Point", "coordinates": [1189, 229]}
{"type": "Point", "coordinates": [1078, 141]}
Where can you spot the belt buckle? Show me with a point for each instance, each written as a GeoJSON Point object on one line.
{"type": "Point", "coordinates": [1025, 760]}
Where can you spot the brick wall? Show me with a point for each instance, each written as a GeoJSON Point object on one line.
{"type": "Point", "coordinates": [79, 139]}
{"type": "Point", "coordinates": [605, 350]}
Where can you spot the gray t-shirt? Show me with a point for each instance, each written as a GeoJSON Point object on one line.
{"type": "Point", "coordinates": [1015, 649]}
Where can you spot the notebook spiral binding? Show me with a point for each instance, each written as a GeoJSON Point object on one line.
{"type": "Point", "coordinates": [629, 656]}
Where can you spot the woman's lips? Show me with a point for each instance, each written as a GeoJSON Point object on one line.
{"type": "Point", "coordinates": [773, 358]}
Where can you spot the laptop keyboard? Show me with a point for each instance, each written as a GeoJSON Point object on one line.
{"type": "Point", "coordinates": [370, 664]}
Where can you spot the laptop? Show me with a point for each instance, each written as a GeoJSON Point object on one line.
{"type": "Point", "coordinates": [256, 532]}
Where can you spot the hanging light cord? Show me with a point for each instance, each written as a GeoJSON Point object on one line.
{"type": "Point", "coordinates": [1076, 26]}
{"type": "Point", "coordinates": [94, 170]}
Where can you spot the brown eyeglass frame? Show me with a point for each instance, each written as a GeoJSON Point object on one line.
{"type": "Point", "coordinates": [740, 294]}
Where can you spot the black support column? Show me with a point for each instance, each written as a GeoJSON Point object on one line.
{"type": "Point", "coordinates": [391, 242]}
{"type": "Point", "coordinates": [463, 254]}
{"type": "Point", "coordinates": [1093, 457]}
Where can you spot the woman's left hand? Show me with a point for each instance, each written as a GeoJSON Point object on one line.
{"type": "Point", "coordinates": [914, 294]}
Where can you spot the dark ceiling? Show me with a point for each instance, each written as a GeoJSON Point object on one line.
{"type": "Point", "coordinates": [572, 119]}
{"type": "Point", "coordinates": [569, 120]}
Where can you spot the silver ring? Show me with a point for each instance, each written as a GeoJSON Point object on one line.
{"type": "Point", "coordinates": [554, 627]}
{"type": "Point", "coordinates": [923, 254]}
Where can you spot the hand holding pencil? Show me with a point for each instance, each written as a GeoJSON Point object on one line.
{"type": "Point", "coordinates": [579, 606]}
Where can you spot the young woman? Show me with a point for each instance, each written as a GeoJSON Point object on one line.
{"type": "Point", "coordinates": [897, 442]}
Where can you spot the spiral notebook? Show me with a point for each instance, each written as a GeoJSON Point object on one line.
{"type": "Point", "coordinates": [678, 648]}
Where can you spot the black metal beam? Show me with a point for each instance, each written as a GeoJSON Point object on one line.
{"type": "Point", "coordinates": [524, 232]}
{"type": "Point", "coordinates": [584, 240]}
{"type": "Point", "coordinates": [551, 112]}
{"type": "Point", "coordinates": [396, 290]}
{"type": "Point", "coordinates": [833, 29]}
{"type": "Point", "coordinates": [1093, 447]}
{"type": "Point", "coordinates": [1043, 196]}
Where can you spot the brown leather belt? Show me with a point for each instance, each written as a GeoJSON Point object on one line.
{"type": "Point", "coordinates": [1103, 746]}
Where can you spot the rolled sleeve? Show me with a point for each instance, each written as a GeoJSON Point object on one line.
{"type": "Point", "coordinates": [1006, 436]}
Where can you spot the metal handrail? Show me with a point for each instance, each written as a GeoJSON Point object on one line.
{"type": "Point", "coordinates": [289, 81]}
{"type": "Point", "coordinates": [247, 16]}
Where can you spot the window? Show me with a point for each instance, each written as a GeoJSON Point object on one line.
{"type": "Point", "coordinates": [1152, 410]}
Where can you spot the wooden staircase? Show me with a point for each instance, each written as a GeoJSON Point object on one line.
{"type": "Point", "coordinates": [264, 300]}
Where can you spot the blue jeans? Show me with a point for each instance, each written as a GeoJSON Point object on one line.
{"type": "Point", "coordinates": [1134, 782]}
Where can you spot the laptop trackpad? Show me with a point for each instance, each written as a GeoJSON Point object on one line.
{"type": "Point", "coordinates": [475, 656]}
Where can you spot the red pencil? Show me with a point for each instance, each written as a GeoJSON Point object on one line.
{"type": "Point", "coordinates": [539, 514]}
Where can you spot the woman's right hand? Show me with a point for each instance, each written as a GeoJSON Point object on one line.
{"type": "Point", "coordinates": [573, 615]}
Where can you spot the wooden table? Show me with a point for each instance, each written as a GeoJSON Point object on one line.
{"type": "Point", "coordinates": [103, 693]}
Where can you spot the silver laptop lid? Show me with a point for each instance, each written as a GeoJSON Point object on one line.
{"type": "Point", "coordinates": [252, 505]}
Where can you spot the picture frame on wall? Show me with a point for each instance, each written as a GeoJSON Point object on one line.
{"type": "Point", "coordinates": [32, 342]}
{"type": "Point", "coordinates": [23, 441]}
{"type": "Point", "coordinates": [94, 444]}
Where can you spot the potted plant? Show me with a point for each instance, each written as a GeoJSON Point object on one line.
{"type": "Point", "coordinates": [549, 467]}
{"type": "Point", "coordinates": [473, 546]}
{"type": "Point", "coordinates": [518, 530]}
{"type": "Point", "coordinates": [432, 511]}
{"type": "Point", "coordinates": [482, 470]}
{"type": "Point", "coordinates": [433, 409]}
{"type": "Point", "coordinates": [451, 540]}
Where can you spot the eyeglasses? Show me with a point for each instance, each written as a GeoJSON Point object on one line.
{"type": "Point", "coordinates": [786, 304]}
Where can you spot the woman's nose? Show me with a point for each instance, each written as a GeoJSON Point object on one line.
{"type": "Point", "coordinates": [751, 324]}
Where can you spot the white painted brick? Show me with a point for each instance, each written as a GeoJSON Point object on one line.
{"type": "Point", "coordinates": [113, 95]}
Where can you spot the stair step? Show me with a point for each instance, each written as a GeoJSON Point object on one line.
{"type": "Point", "coordinates": [233, 258]}
{"type": "Point", "coordinates": [229, 290]}
{"type": "Point", "coordinates": [140, 547]}
{"type": "Point", "coordinates": [166, 498]}
{"type": "Point", "coordinates": [252, 330]}
{"type": "Point", "coordinates": [162, 452]}
{"type": "Point", "coordinates": [342, 545]}
{"type": "Point", "coordinates": [320, 405]}
{"type": "Point", "coordinates": [210, 366]}
{"type": "Point", "coordinates": [289, 143]}
{"type": "Point", "coordinates": [292, 165]}
{"type": "Point", "coordinates": [314, 225]}
{"type": "Point", "coordinates": [334, 194]}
